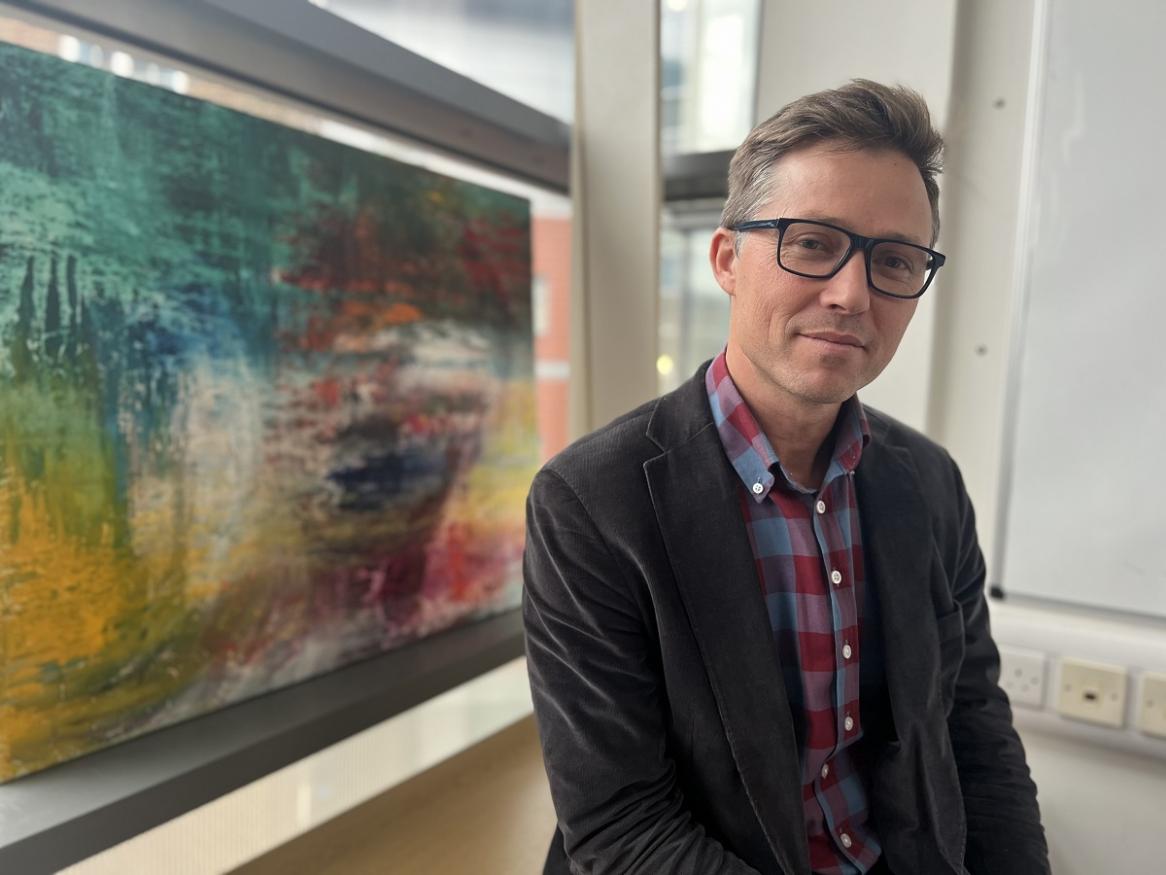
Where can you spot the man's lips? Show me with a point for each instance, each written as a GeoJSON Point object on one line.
{"type": "Point", "coordinates": [834, 337]}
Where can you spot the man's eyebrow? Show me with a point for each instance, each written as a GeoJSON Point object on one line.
{"type": "Point", "coordinates": [885, 235]}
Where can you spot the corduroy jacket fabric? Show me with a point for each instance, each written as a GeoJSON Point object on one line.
{"type": "Point", "coordinates": [666, 731]}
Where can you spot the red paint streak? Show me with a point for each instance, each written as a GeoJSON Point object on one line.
{"type": "Point", "coordinates": [327, 392]}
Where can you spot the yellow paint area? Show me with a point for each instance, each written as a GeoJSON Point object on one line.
{"type": "Point", "coordinates": [73, 618]}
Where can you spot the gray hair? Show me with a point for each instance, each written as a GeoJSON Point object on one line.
{"type": "Point", "coordinates": [859, 115]}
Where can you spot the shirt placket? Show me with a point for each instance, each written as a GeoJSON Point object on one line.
{"type": "Point", "coordinates": [839, 573]}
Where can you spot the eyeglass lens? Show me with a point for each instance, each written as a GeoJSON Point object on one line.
{"type": "Point", "coordinates": [816, 250]}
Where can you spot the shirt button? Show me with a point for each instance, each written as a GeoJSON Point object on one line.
{"type": "Point", "coordinates": [826, 770]}
{"type": "Point", "coordinates": [846, 841]}
{"type": "Point", "coordinates": [821, 506]}
{"type": "Point", "coordinates": [758, 488]}
{"type": "Point", "coordinates": [846, 651]}
{"type": "Point", "coordinates": [848, 723]}
{"type": "Point", "coordinates": [836, 576]}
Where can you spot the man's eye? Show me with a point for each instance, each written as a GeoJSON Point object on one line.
{"type": "Point", "coordinates": [813, 244]}
{"type": "Point", "coordinates": [894, 260]}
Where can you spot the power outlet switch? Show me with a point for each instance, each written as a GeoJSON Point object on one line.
{"type": "Point", "coordinates": [1093, 692]}
{"type": "Point", "coordinates": [1022, 676]}
{"type": "Point", "coordinates": [1152, 719]}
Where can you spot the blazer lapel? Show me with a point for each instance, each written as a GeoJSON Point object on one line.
{"type": "Point", "coordinates": [694, 493]}
{"type": "Point", "coordinates": [897, 548]}
{"type": "Point", "coordinates": [907, 777]}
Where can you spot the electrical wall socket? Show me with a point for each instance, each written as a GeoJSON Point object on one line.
{"type": "Point", "coordinates": [1152, 715]}
{"type": "Point", "coordinates": [1022, 676]}
{"type": "Point", "coordinates": [1092, 692]}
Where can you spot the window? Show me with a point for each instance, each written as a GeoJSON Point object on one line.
{"type": "Point", "coordinates": [694, 310]}
{"type": "Point", "coordinates": [523, 48]}
{"type": "Point", "coordinates": [708, 73]}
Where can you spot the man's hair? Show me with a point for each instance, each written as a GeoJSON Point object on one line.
{"type": "Point", "coordinates": [859, 115]}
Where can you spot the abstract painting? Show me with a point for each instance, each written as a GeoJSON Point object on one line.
{"type": "Point", "coordinates": [266, 406]}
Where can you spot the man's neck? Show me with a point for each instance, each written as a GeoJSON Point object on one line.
{"type": "Point", "coordinates": [798, 430]}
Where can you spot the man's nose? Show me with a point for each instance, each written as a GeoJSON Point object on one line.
{"type": "Point", "coordinates": [848, 289]}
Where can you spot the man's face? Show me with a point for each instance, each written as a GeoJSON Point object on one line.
{"type": "Point", "coordinates": [817, 341]}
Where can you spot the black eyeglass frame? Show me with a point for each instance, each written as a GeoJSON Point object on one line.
{"type": "Point", "coordinates": [857, 241]}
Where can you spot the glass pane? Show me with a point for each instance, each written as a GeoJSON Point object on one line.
{"type": "Point", "coordinates": [551, 270]}
{"type": "Point", "coordinates": [523, 48]}
{"type": "Point", "coordinates": [708, 73]}
{"type": "Point", "coordinates": [694, 310]}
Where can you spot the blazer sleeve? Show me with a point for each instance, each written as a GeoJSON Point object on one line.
{"type": "Point", "coordinates": [598, 703]}
{"type": "Point", "coordinates": [1005, 836]}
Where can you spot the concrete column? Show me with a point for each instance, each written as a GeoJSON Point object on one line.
{"type": "Point", "coordinates": [616, 191]}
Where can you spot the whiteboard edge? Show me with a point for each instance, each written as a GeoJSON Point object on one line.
{"type": "Point", "coordinates": [1022, 275]}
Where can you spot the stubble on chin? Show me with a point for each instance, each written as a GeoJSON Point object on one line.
{"type": "Point", "coordinates": [819, 380]}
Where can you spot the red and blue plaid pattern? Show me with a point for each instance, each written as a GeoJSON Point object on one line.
{"type": "Point", "coordinates": [808, 551]}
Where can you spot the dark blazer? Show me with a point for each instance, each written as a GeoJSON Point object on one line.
{"type": "Point", "coordinates": [666, 731]}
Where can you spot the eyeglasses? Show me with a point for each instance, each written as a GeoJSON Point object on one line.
{"type": "Point", "coordinates": [819, 250]}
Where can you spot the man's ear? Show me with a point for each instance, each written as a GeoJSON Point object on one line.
{"type": "Point", "coordinates": [723, 258]}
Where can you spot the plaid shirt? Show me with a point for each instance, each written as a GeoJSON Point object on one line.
{"type": "Point", "coordinates": [808, 552]}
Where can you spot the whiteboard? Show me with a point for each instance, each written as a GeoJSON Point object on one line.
{"type": "Point", "coordinates": [1086, 485]}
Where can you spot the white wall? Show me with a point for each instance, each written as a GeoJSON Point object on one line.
{"type": "Point", "coordinates": [1101, 809]}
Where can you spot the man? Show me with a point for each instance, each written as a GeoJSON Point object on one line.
{"type": "Point", "coordinates": [756, 627]}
